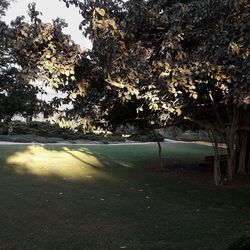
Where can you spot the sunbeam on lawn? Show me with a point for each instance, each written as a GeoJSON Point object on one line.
{"type": "Point", "coordinates": [66, 163]}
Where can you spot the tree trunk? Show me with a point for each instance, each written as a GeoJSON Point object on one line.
{"type": "Point", "coordinates": [231, 141]}
{"type": "Point", "coordinates": [235, 130]}
{"type": "Point", "coordinates": [217, 172]}
{"type": "Point", "coordinates": [238, 142]}
{"type": "Point", "coordinates": [242, 162]}
{"type": "Point", "coordinates": [159, 150]}
{"type": "Point", "coordinates": [248, 156]}
{"type": "Point", "coordinates": [231, 164]}
{"type": "Point", "coordinates": [244, 140]}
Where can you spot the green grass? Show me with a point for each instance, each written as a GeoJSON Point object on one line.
{"type": "Point", "coordinates": [109, 197]}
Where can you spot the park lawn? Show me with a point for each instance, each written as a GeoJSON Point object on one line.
{"type": "Point", "coordinates": [109, 197]}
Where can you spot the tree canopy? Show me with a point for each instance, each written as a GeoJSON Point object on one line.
{"type": "Point", "coordinates": [185, 60]}
{"type": "Point", "coordinates": [169, 54]}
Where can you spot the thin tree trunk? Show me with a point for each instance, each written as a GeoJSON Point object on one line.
{"type": "Point", "coordinates": [231, 143]}
{"type": "Point", "coordinates": [244, 139]}
{"type": "Point", "coordinates": [248, 156]}
{"type": "Point", "coordinates": [217, 172]}
{"type": "Point", "coordinates": [159, 150]}
{"type": "Point", "coordinates": [241, 168]}
{"type": "Point", "coordinates": [231, 165]}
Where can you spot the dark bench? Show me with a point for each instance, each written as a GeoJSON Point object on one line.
{"type": "Point", "coordinates": [209, 163]}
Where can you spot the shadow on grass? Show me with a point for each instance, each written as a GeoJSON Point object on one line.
{"type": "Point", "coordinates": [107, 197]}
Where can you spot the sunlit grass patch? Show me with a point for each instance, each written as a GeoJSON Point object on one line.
{"type": "Point", "coordinates": [64, 162]}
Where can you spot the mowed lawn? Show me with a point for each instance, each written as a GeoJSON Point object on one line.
{"type": "Point", "coordinates": [110, 197]}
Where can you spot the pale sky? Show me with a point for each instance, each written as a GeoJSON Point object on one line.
{"type": "Point", "coordinates": [52, 9]}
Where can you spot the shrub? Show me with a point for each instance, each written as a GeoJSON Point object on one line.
{"type": "Point", "coordinates": [3, 128]}
{"type": "Point", "coordinates": [147, 137]}
{"type": "Point", "coordinates": [33, 131]}
{"type": "Point", "coordinates": [173, 132]}
{"type": "Point", "coordinates": [38, 128]}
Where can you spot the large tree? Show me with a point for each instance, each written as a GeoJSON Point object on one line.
{"type": "Point", "coordinates": [186, 59]}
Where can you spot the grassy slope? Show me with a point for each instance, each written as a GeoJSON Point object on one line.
{"type": "Point", "coordinates": [108, 197]}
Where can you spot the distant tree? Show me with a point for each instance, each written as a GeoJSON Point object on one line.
{"type": "Point", "coordinates": [17, 96]}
